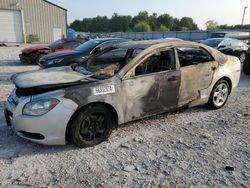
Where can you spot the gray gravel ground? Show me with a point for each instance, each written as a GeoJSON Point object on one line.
{"type": "Point", "coordinates": [183, 149]}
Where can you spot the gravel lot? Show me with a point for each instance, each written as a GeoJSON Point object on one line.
{"type": "Point", "coordinates": [183, 149]}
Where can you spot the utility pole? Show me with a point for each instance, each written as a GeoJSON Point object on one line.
{"type": "Point", "coordinates": [243, 15]}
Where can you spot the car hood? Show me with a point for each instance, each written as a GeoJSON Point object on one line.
{"type": "Point", "coordinates": [35, 48]}
{"type": "Point", "coordinates": [48, 78]}
{"type": "Point", "coordinates": [60, 54]}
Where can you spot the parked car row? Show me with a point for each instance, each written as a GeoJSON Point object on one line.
{"type": "Point", "coordinates": [66, 52]}
{"type": "Point", "coordinates": [115, 84]}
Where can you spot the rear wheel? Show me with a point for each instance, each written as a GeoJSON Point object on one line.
{"type": "Point", "coordinates": [219, 94]}
{"type": "Point", "coordinates": [246, 68]}
{"type": "Point", "coordinates": [91, 126]}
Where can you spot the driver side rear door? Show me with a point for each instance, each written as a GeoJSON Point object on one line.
{"type": "Point", "coordinates": [197, 69]}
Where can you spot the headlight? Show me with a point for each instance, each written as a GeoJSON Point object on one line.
{"type": "Point", "coordinates": [37, 108]}
{"type": "Point", "coordinates": [55, 61]}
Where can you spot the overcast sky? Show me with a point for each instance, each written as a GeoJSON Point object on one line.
{"type": "Point", "coordinates": [224, 11]}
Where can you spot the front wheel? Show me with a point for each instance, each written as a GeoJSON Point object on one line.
{"type": "Point", "coordinates": [219, 95]}
{"type": "Point", "coordinates": [91, 126]}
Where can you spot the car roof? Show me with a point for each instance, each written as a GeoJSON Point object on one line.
{"type": "Point", "coordinates": [108, 39]}
{"type": "Point", "coordinates": [143, 44]}
{"type": "Point", "coordinates": [74, 39]}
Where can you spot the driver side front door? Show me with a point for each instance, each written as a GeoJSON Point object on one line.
{"type": "Point", "coordinates": [153, 88]}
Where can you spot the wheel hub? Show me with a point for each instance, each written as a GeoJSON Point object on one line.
{"type": "Point", "coordinates": [220, 94]}
{"type": "Point", "coordinates": [93, 127]}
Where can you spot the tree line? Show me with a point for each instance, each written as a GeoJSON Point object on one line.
{"type": "Point", "coordinates": [213, 25]}
{"type": "Point", "coordinates": [142, 22]}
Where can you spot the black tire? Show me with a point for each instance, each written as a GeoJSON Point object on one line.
{"type": "Point", "coordinates": [214, 100]}
{"type": "Point", "coordinates": [246, 68]}
{"type": "Point", "coordinates": [91, 126]}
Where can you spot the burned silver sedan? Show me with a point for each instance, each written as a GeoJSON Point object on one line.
{"type": "Point", "coordinates": [129, 81]}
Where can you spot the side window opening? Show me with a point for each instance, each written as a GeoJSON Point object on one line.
{"type": "Point", "coordinates": [159, 62]}
{"type": "Point", "coordinates": [193, 56]}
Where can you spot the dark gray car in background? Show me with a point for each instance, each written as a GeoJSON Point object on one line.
{"type": "Point", "coordinates": [70, 57]}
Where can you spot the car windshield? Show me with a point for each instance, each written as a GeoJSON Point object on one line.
{"type": "Point", "coordinates": [88, 46]}
{"type": "Point", "coordinates": [212, 42]}
{"type": "Point", "coordinates": [54, 44]}
{"type": "Point", "coordinates": [107, 64]}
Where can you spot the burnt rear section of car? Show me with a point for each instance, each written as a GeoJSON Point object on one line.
{"type": "Point", "coordinates": [195, 78]}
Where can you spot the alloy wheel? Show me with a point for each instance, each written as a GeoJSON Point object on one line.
{"type": "Point", "coordinates": [93, 127]}
{"type": "Point", "coordinates": [220, 94]}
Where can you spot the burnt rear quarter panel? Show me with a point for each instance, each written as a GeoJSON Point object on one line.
{"type": "Point", "coordinates": [195, 78]}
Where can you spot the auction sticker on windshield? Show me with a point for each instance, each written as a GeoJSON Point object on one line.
{"type": "Point", "coordinates": [104, 89]}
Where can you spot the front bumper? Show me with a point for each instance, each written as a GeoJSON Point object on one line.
{"type": "Point", "coordinates": [47, 129]}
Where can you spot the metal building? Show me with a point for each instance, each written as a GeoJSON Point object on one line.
{"type": "Point", "coordinates": [31, 21]}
